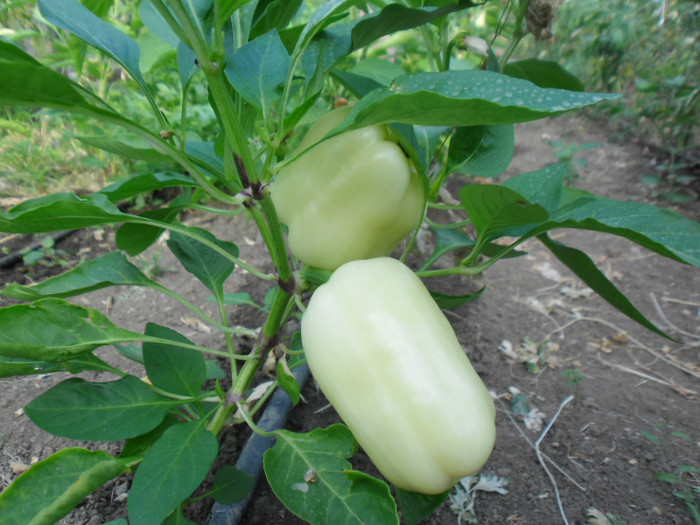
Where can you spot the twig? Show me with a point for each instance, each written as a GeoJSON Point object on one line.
{"type": "Point", "coordinates": [680, 389]}
{"type": "Point", "coordinates": [680, 366]}
{"type": "Point", "coordinates": [541, 459]}
{"type": "Point", "coordinates": [661, 314]}
{"type": "Point", "coordinates": [545, 456]}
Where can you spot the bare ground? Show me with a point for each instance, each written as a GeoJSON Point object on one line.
{"type": "Point", "coordinates": [636, 407]}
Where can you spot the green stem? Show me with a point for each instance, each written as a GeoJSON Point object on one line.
{"type": "Point", "coordinates": [272, 326]}
{"type": "Point", "coordinates": [276, 241]}
{"type": "Point", "coordinates": [211, 351]}
{"type": "Point", "coordinates": [519, 32]}
{"type": "Point", "coordinates": [229, 117]}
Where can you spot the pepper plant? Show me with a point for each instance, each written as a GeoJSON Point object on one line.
{"type": "Point", "coordinates": [270, 68]}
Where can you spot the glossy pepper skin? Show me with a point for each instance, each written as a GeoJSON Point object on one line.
{"type": "Point", "coordinates": [354, 196]}
{"type": "Point", "coordinates": [389, 362]}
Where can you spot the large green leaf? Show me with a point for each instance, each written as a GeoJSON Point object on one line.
{"type": "Point", "coordinates": [76, 409]}
{"type": "Point", "coordinates": [463, 98]}
{"type": "Point", "coordinates": [258, 68]}
{"type": "Point", "coordinates": [61, 211]}
{"type": "Point", "coordinates": [663, 231]}
{"type": "Point", "coordinates": [53, 487]}
{"type": "Point", "coordinates": [482, 151]}
{"type": "Point", "coordinates": [579, 263]}
{"type": "Point", "coordinates": [32, 84]}
{"type": "Point", "coordinates": [544, 74]}
{"type": "Point", "coordinates": [12, 53]}
{"type": "Point", "coordinates": [55, 330]}
{"type": "Point", "coordinates": [209, 266]}
{"type": "Point", "coordinates": [112, 269]}
{"type": "Point", "coordinates": [175, 466]}
{"type": "Point", "coordinates": [74, 17]}
{"type": "Point", "coordinates": [310, 474]}
{"type": "Point", "coordinates": [171, 368]}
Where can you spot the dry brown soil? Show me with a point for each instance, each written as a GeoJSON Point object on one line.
{"type": "Point", "coordinates": [632, 381]}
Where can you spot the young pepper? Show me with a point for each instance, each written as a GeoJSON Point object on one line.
{"type": "Point", "coordinates": [354, 196]}
{"type": "Point", "coordinates": [388, 360]}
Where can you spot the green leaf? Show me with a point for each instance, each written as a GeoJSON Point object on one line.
{"type": "Point", "coordinates": [10, 367]}
{"type": "Point", "coordinates": [171, 368]}
{"type": "Point", "coordinates": [544, 74]}
{"type": "Point", "coordinates": [53, 487]}
{"type": "Point", "coordinates": [126, 146]}
{"type": "Point", "coordinates": [210, 267]}
{"type": "Point", "coordinates": [579, 263]}
{"type": "Point", "coordinates": [660, 230]}
{"type": "Point", "coordinates": [172, 470]}
{"type": "Point", "coordinates": [382, 71]}
{"type": "Point", "coordinates": [273, 14]}
{"type": "Point", "coordinates": [544, 186]}
{"type": "Point", "coordinates": [156, 23]}
{"type": "Point", "coordinates": [75, 18]}
{"type": "Point", "coordinates": [258, 68]}
{"type": "Point", "coordinates": [666, 476]}
{"type": "Point", "coordinates": [76, 409]}
{"type": "Point", "coordinates": [450, 302]}
{"type": "Point", "coordinates": [447, 240]}
{"type": "Point", "coordinates": [287, 381]}
{"type": "Point", "coordinates": [32, 84]}
{"type": "Point", "coordinates": [55, 330]}
{"type": "Point", "coordinates": [482, 151]}
{"type": "Point", "coordinates": [112, 269]}
{"type": "Point", "coordinates": [318, 20]}
{"type": "Point", "coordinates": [237, 299]}
{"type": "Point", "coordinates": [12, 53]}
{"type": "Point", "coordinates": [177, 518]}
{"type": "Point", "coordinates": [231, 485]}
{"type": "Point", "coordinates": [463, 98]}
{"type": "Point", "coordinates": [135, 448]}
{"type": "Point", "coordinates": [497, 210]}
{"type": "Point", "coordinates": [416, 507]}
{"type": "Point", "coordinates": [309, 473]}
{"type": "Point", "coordinates": [134, 238]}
{"type": "Point", "coordinates": [61, 211]}
{"type": "Point", "coordinates": [396, 17]}
{"type": "Point", "coordinates": [144, 183]}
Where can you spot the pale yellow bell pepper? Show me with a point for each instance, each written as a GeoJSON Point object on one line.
{"type": "Point", "coordinates": [388, 360]}
{"type": "Point", "coordinates": [354, 196]}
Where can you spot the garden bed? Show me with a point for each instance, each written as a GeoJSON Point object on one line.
{"type": "Point", "coordinates": [636, 405]}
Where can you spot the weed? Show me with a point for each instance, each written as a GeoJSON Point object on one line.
{"type": "Point", "coordinates": [46, 254]}
{"type": "Point", "coordinates": [684, 479]}
{"type": "Point", "coordinates": [574, 378]}
{"type": "Point", "coordinates": [567, 153]}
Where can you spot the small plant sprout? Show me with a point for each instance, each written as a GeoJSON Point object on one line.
{"type": "Point", "coordinates": [574, 378]}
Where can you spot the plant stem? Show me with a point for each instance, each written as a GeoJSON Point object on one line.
{"type": "Point", "coordinates": [255, 359]}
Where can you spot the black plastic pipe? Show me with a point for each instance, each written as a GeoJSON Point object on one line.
{"type": "Point", "coordinates": [250, 460]}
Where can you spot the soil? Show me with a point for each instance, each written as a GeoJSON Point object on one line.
{"type": "Point", "coordinates": [635, 409]}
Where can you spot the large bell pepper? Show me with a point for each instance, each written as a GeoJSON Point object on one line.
{"type": "Point", "coordinates": [388, 360]}
{"type": "Point", "coordinates": [354, 196]}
